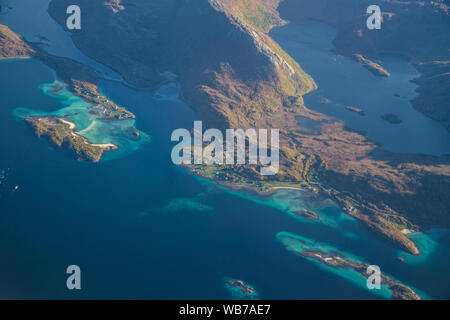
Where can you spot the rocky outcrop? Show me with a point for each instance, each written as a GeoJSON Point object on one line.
{"type": "Point", "coordinates": [236, 76]}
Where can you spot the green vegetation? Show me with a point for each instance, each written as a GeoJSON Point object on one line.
{"type": "Point", "coordinates": [261, 15]}
{"type": "Point", "coordinates": [247, 177]}
{"type": "Point", "coordinates": [12, 46]}
{"type": "Point", "coordinates": [62, 135]}
{"type": "Point", "coordinates": [105, 108]}
{"type": "Point", "coordinates": [262, 87]}
{"type": "Point", "coordinates": [373, 67]}
{"type": "Point", "coordinates": [391, 118]}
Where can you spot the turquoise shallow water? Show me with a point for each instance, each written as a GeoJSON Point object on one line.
{"type": "Point", "coordinates": [298, 244]}
{"type": "Point", "coordinates": [88, 125]}
{"type": "Point", "coordinates": [140, 227]}
{"type": "Point", "coordinates": [428, 243]}
{"type": "Point", "coordinates": [289, 200]}
{"type": "Point", "coordinates": [31, 20]}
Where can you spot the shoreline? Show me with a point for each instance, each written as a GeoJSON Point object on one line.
{"type": "Point", "coordinates": [105, 146]}
{"type": "Point", "coordinates": [238, 187]}
{"type": "Point", "coordinates": [395, 236]}
{"type": "Point", "coordinates": [18, 58]}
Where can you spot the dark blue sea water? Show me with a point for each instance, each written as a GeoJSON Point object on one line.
{"type": "Point", "coordinates": [139, 227]}
{"type": "Point", "coordinates": [343, 82]}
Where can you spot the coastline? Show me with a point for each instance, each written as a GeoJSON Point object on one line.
{"type": "Point", "coordinates": [9, 59]}
{"type": "Point", "coordinates": [238, 187]}
{"type": "Point", "coordinates": [380, 226]}
{"type": "Point", "coordinates": [320, 154]}
{"type": "Point", "coordinates": [106, 146]}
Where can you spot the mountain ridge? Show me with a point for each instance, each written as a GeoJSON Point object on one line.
{"type": "Point", "coordinates": [236, 76]}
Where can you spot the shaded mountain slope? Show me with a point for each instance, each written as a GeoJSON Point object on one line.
{"type": "Point", "coordinates": [418, 30]}
{"type": "Point", "coordinates": [236, 76]}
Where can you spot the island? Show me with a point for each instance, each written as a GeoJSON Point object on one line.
{"type": "Point", "coordinates": [104, 108]}
{"type": "Point", "coordinates": [264, 87]}
{"type": "Point", "coordinates": [240, 290]}
{"type": "Point", "coordinates": [373, 67]}
{"type": "Point", "coordinates": [425, 48]}
{"type": "Point", "coordinates": [356, 110]}
{"type": "Point", "coordinates": [61, 133]}
{"type": "Point", "coordinates": [399, 291]}
{"type": "Point", "coordinates": [307, 214]}
{"type": "Point", "coordinates": [12, 46]}
{"type": "Point", "coordinates": [391, 118]}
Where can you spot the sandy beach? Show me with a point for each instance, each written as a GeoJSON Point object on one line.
{"type": "Point", "coordinates": [106, 146]}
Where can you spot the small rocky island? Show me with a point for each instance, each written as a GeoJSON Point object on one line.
{"type": "Point", "coordinates": [373, 67]}
{"type": "Point", "coordinates": [307, 214]}
{"type": "Point", "coordinates": [391, 118]}
{"type": "Point", "coordinates": [331, 257]}
{"type": "Point", "coordinates": [61, 133]}
{"type": "Point", "coordinates": [355, 110]}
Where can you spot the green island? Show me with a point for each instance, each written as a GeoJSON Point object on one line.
{"type": "Point", "coordinates": [264, 88]}
{"type": "Point", "coordinates": [355, 110]}
{"type": "Point", "coordinates": [391, 118]}
{"type": "Point", "coordinates": [80, 80]}
{"type": "Point", "coordinates": [61, 133]}
{"type": "Point", "coordinates": [12, 46]}
{"type": "Point", "coordinates": [103, 107]}
{"type": "Point", "coordinates": [373, 67]}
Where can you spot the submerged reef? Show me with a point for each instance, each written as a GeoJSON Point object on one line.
{"type": "Point", "coordinates": [87, 130]}
{"type": "Point", "coordinates": [240, 290]}
{"type": "Point", "coordinates": [327, 256]}
{"type": "Point", "coordinates": [391, 118]}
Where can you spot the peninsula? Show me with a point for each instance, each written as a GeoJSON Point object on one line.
{"type": "Point", "coordinates": [263, 87]}
{"type": "Point", "coordinates": [82, 81]}
{"type": "Point", "coordinates": [61, 133]}
{"type": "Point", "coordinates": [373, 67]}
{"type": "Point", "coordinates": [328, 256]}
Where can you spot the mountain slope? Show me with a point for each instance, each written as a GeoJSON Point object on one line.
{"type": "Point", "coordinates": [418, 30]}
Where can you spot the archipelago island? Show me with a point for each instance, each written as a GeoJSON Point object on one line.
{"type": "Point", "coordinates": [263, 87]}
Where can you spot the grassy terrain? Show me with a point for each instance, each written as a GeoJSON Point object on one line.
{"type": "Point", "coordinates": [12, 46]}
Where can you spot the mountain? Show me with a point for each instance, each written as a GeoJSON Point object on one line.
{"type": "Point", "coordinates": [417, 30]}
{"type": "Point", "coordinates": [236, 76]}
